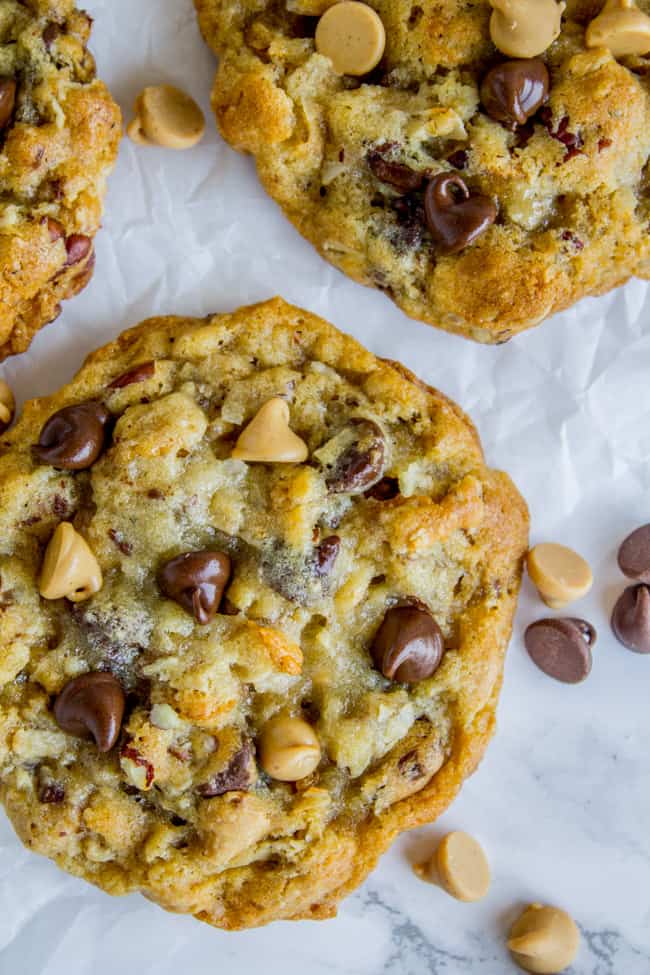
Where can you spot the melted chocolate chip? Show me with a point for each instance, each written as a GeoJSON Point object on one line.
{"type": "Point", "coordinates": [53, 792]}
{"type": "Point", "coordinates": [326, 554]}
{"type": "Point", "coordinates": [454, 217]}
{"type": "Point", "coordinates": [138, 374]}
{"type": "Point", "coordinates": [384, 490]}
{"type": "Point", "coordinates": [236, 777]}
{"type": "Point", "coordinates": [398, 174]}
{"type": "Point", "coordinates": [409, 645]}
{"type": "Point", "coordinates": [92, 705]}
{"type": "Point", "coordinates": [513, 91]}
{"type": "Point", "coordinates": [74, 437]}
{"type": "Point", "coordinates": [7, 100]}
{"type": "Point", "coordinates": [361, 464]}
{"type": "Point", "coordinates": [196, 581]}
{"type": "Point", "coordinates": [458, 159]}
{"type": "Point", "coordinates": [631, 618]}
{"type": "Point", "coordinates": [561, 647]}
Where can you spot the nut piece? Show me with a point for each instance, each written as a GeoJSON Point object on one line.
{"type": "Point", "coordinates": [166, 116]}
{"type": "Point", "coordinates": [289, 749]}
{"type": "Point", "coordinates": [7, 406]}
{"type": "Point", "coordinates": [621, 27]}
{"type": "Point", "coordinates": [69, 568]}
{"type": "Point", "coordinates": [352, 36]}
{"type": "Point", "coordinates": [268, 437]}
{"type": "Point", "coordinates": [560, 574]}
{"type": "Point", "coordinates": [525, 28]}
{"type": "Point", "coordinates": [544, 940]}
{"type": "Point", "coordinates": [461, 867]}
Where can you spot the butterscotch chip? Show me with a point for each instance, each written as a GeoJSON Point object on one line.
{"type": "Point", "coordinates": [621, 27]}
{"type": "Point", "coordinates": [525, 28]}
{"type": "Point", "coordinates": [7, 405]}
{"type": "Point", "coordinates": [544, 940]}
{"type": "Point", "coordinates": [560, 574]}
{"type": "Point", "coordinates": [352, 36]}
{"type": "Point", "coordinates": [269, 439]}
{"type": "Point", "coordinates": [166, 116]}
{"type": "Point", "coordinates": [462, 867]}
{"type": "Point", "coordinates": [70, 568]}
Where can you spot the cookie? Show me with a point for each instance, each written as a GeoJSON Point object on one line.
{"type": "Point", "coordinates": [60, 130]}
{"type": "Point", "coordinates": [482, 188]}
{"type": "Point", "coordinates": [230, 680]}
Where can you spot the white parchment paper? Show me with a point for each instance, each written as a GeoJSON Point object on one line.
{"type": "Point", "coordinates": [562, 801]}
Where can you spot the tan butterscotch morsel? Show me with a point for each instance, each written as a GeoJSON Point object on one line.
{"type": "Point", "coordinates": [544, 940]}
{"type": "Point", "coordinates": [166, 116]}
{"type": "Point", "coordinates": [525, 28]}
{"type": "Point", "coordinates": [69, 568]}
{"type": "Point", "coordinates": [7, 405]}
{"type": "Point", "coordinates": [560, 574]}
{"type": "Point", "coordinates": [269, 439]}
{"type": "Point", "coordinates": [621, 27]}
{"type": "Point", "coordinates": [352, 36]}
{"type": "Point", "coordinates": [289, 749]}
{"type": "Point", "coordinates": [460, 866]}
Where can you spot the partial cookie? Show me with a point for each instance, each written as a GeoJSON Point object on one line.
{"type": "Point", "coordinates": [246, 669]}
{"type": "Point", "coordinates": [60, 132]}
{"type": "Point", "coordinates": [485, 168]}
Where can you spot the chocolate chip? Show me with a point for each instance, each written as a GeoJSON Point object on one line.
{"type": "Point", "coordinates": [454, 217]}
{"type": "Point", "coordinates": [409, 645]}
{"type": "Point", "coordinates": [77, 247]}
{"type": "Point", "coordinates": [236, 777]}
{"type": "Point", "coordinates": [7, 100]}
{"type": "Point", "coordinates": [92, 705]}
{"type": "Point", "coordinates": [50, 34]}
{"type": "Point", "coordinates": [361, 462]}
{"type": "Point", "coordinates": [458, 159]}
{"type": "Point", "coordinates": [134, 756]}
{"type": "Point", "coordinates": [384, 490]}
{"type": "Point", "coordinates": [326, 554]}
{"type": "Point", "coordinates": [55, 229]}
{"type": "Point", "coordinates": [51, 793]}
{"type": "Point", "coordinates": [74, 437]}
{"type": "Point", "coordinates": [138, 374]}
{"type": "Point", "coordinates": [513, 91]}
{"type": "Point", "coordinates": [634, 555]}
{"type": "Point", "coordinates": [561, 647]}
{"type": "Point", "coordinates": [388, 171]}
{"type": "Point", "coordinates": [196, 581]}
{"type": "Point", "coordinates": [631, 618]}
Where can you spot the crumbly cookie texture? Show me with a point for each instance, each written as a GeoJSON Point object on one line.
{"type": "Point", "coordinates": [250, 759]}
{"type": "Point", "coordinates": [59, 133]}
{"type": "Point", "coordinates": [347, 157]}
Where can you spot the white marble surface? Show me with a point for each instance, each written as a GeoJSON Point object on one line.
{"type": "Point", "coordinates": [562, 800]}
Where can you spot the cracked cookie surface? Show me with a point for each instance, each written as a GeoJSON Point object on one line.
{"type": "Point", "coordinates": [59, 133]}
{"type": "Point", "coordinates": [249, 757]}
{"type": "Point", "coordinates": [346, 157]}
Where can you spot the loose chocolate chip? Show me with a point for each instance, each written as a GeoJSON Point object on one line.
{"type": "Point", "coordinates": [631, 618]}
{"type": "Point", "coordinates": [361, 463]}
{"type": "Point", "coordinates": [77, 247]}
{"type": "Point", "coordinates": [326, 554]}
{"type": "Point", "coordinates": [196, 581]}
{"type": "Point", "coordinates": [7, 100]}
{"type": "Point", "coordinates": [236, 777]}
{"type": "Point", "coordinates": [74, 437]}
{"type": "Point", "coordinates": [92, 705]}
{"type": "Point", "coordinates": [51, 793]}
{"type": "Point", "coordinates": [454, 217]}
{"type": "Point", "coordinates": [396, 173]}
{"type": "Point", "coordinates": [409, 645]}
{"type": "Point", "coordinates": [384, 490]}
{"type": "Point", "coordinates": [138, 374]}
{"type": "Point", "coordinates": [513, 91]}
{"type": "Point", "coordinates": [561, 647]}
{"type": "Point", "coordinates": [634, 555]}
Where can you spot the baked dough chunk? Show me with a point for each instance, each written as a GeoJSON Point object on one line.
{"type": "Point", "coordinates": [349, 158]}
{"type": "Point", "coordinates": [211, 721]}
{"type": "Point", "coordinates": [59, 133]}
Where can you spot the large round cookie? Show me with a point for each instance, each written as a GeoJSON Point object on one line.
{"type": "Point", "coordinates": [392, 549]}
{"type": "Point", "coordinates": [59, 133]}
{"type": "Point", "coordinates": [349, 158]}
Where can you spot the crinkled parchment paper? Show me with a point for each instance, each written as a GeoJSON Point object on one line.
{"type": "Point", "coordinates": [562, 800]}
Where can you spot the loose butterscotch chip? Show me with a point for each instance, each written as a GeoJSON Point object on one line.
{"type": "Point", "coordinates": [621, 27]}
{"type": "Point", "coordinates": [269, 439]}
{"type": "Point", "coordinates": [560, 574]}
{"type": "Point", "coordinates": [352, 36]}
{"type": "Point", "coordinates": [544, 940]}
{"type": "Point", "coordinates": [462, 867]}
{"type": "Point", "coordinates": [166, 116]}
{"type": "Point", "coordinates": [7, 406]}
{"type": "Point", "coordinates": [525, 28]}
